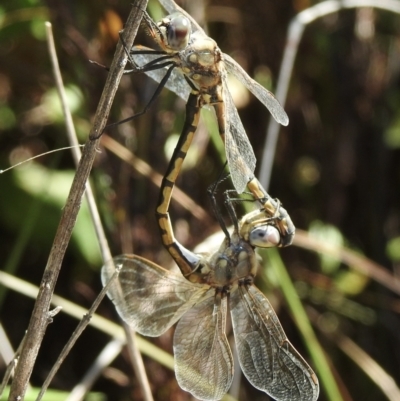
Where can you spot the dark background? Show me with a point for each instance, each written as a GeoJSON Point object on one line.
{"type": "Point", "coordinates": [336, 170]}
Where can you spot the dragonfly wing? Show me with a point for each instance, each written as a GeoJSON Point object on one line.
{"type": "Point", "coordinates": [148, 297]}
{"type": "Point", "coordinates": [262, 94]}
{"type": "Point", "coordinates": [203, 359]}
{"type": "Point", "coordinates": [239, 153]}
{"type": "Point", "coordinates": [268, 359]}
{"type": "Point", "coordinates": [176, 82]}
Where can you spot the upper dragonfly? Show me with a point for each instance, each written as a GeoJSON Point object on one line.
{"type": "Point", "coordinates": [191, 62]}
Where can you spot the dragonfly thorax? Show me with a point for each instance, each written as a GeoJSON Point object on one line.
{"type": "Point", "coordinates": [232, 262]}
{"type": "Point", "coordinates": [201, 62]}
{"type": "Point", "coordinates": [203, 51]}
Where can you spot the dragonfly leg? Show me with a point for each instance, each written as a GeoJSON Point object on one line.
{"type": "Point", "coordinates": [185, 259]}
{"type": "Point", "coordinates": [156, 64]}
{"type": "Point", "coordinates": [147, 66]}
{"type": "Point", "coordinates": [212, 189]}
{"type": "Point", "coordinates": [140, 113]}
{"type": "Point", "coordinates": [152, 28]}
{"type": "Point", "coordinates": [153, 97]}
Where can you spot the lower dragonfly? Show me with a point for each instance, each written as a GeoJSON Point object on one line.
{"type": "Point", "coordinates": [151, 299]}
{"type": "Point", "coordinates": [189, 61]}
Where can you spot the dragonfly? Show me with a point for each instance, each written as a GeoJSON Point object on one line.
{"type": "Point", "coordinates": [151, 299]}
{"type": "Point", "coordinates": [191, 63]}
{"type": "Point", "coordinates": [189, 66]}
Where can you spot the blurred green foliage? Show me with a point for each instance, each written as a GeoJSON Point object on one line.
{"type": "Point", "coordinates": [54, 395]}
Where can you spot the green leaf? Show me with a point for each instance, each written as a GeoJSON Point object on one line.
{"type": "Point", "coordinates": [50, 188]}
{"type": "Point", "coordinates": [393, 249]}
{"type": "Point", "coordinates": [53, 395]}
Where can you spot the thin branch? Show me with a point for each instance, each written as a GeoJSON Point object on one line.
{"type": "Point", "coordinates": [10, 367]}
{"type": "Point", "coordinates": [39, 319]}
{"type": "Point", "coordinates": [359, 262]}
{"type": "Point", "coordinates": [137, 361]}
{"type": "Point", "coordinates": [370, 367]}
{"type": "Point", "coordinates": [299, 315]}
{"type": "Point", "coordinates": [7, 352]}
{"type": "Point", "coordinates": [147, 171]}
{"type": "Point", "coordinates": [141, 375]}
{"type": "Point", "coordinates": [294, 36]}
{"type": "Point", "coordinates": [104, 359]}
{"type": "Point", "coordinates": [98, 322]}
{"type": "Point", "coordinates": [75, 335]}
{"type": "Point", "coordinates": [73, 140]}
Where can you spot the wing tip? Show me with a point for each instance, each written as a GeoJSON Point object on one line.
{"type": "Point", "coordinates": [284, 120]}
{"type": "Point", "coordinates": [280, 117]}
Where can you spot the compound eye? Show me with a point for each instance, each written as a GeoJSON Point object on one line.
{"type": "Point", "coordinates": [265, 237]}
{"type": "Point", "coordinates": [178, 32]}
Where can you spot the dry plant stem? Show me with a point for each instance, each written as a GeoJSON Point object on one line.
{"type": "Point", "coordinates": [374, 371]}
{"type": "Point", "coordinates": [90, 198]}
{"type": "Point", "coordinates": [98, 322]}
{"type": "Point", "coordinates": [363, 360]}
{"type": "Point", "coordinates": [349, 257]}
{"type": "Point", "coordinates": [7, 352]}
{"type": "Point", "coordinates": [40, 315]}
{"type": "Point", "coordinates": [72, 138]}
{"type": "Point", "coordinates": [147, 171]}
{"type": "Point", "coordinates": [137, 361]}
{"type": "Point", "coordinates": [10, 367]}
{"type": "Point", "coordinates": [104, 359]}
{"type": "Point", "coordinates": [75, 335]}
{"type": "Point", "coordinates": [106, 253]}
{"type": "Point", "coordinates": [7, 375]}
{"type": "Point", "coordinates": [294, 36]}
{"type": "Point", "coordinates": [39, 319]}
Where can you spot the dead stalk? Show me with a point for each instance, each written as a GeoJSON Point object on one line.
{"type": "Point", "coordinates": [40, 315]}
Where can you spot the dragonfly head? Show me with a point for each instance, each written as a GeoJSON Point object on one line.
{"type": "Point", "coordinates": [265, 236]}
{"type": "Point", "coordinates": [176, 31]}
{"type": "Point", "coordinates": [260, 230]}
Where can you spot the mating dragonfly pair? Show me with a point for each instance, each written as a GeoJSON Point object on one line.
{"type": "Point", "coordinates": [152, 299]}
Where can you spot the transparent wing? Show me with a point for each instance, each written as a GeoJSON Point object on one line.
{"type": "Point", "coordinates": [203, 359]}
{"type": "Point", "coordinates": [266, 356]}
{"type": "Point", "coordinates": [262, 94]}
{"type": "Point", "coordinates": [148, 297]}
{"type": "Point", "coordinates": [239, 153]}
{"type": "Point", "coordinates": [172, 7]}
{"type": "Point", "coordinates": [176, 82]}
